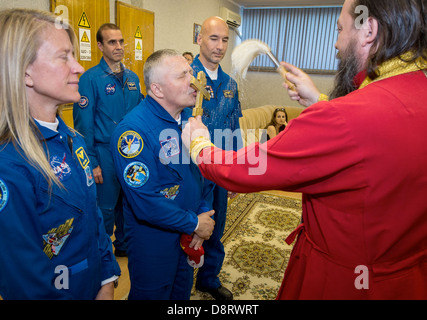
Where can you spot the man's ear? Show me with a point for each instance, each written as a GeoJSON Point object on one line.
{"type": "Point", "coordinates": [156, 89]}
{"type": "Point", "coordinates": [370, 32]}
{"type": "Point", "coordinates": [100, 46]}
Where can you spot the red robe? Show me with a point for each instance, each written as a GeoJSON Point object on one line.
{"type": "Point", "coordinates": [361, 163]}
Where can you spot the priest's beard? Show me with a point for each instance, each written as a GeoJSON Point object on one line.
{"type": "Point", "coordinates": [348, 68]}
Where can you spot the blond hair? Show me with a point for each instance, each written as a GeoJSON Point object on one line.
{"type": "Point", "coordinates": [20, 39]}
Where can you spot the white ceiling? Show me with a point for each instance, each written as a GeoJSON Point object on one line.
{"type": "Point", "coordinates": [286, 3]}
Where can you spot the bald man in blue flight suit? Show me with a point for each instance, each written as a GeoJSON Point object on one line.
{"type": "Point", "coordinates": [109, 91]}
{"type": "Point", "coordinates": [222, 112]}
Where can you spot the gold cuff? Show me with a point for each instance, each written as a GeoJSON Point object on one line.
{"type": "Point", "coordinates": [323, 97]}
{"type": "Point", "coordinates": [198, 145]}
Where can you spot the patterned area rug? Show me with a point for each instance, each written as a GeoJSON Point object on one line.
{"type": "Point", "coordinates": [256, 254]}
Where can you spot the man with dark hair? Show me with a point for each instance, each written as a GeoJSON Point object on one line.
{"type": "Point", "coordinates": [108, 92]}
{"type": "Point", "coordinates": [107, 26]}
{"type": "Point", "coordinates": [348, 77]}
{"type": "Point", "coordinates": [359, 160]}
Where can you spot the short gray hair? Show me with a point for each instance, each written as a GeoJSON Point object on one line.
{"type": "Point", "coordinates": [153, 62]}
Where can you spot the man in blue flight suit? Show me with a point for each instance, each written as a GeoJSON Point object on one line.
{"type": "Point", "coordinates": [166, 196]}
{"type": "Point", "coordinates": [109, 91]}
{"type": "Point", "coordinates": [222, 112]}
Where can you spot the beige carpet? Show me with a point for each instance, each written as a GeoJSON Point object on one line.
{"type": "Point", "coordinates": [254, 241]}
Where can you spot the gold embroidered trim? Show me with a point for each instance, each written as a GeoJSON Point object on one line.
{"type": "Point", "coordinates": [395, 67]}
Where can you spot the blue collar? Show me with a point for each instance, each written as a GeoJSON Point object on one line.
{"type": "Point", "coordinates": [48, 134]}
{"type": "Point", "coordinates": [104, 65]}
{"type": "Point", "coordinates": [198, 66]}
{"type": "Point", "coordinates": [157, 110]}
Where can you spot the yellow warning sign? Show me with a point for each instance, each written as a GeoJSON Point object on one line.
{"type": "Point", "coordinates": [138, 33]}
{"type": "Point", "coordinates": [85, 38]}
{"type": "Point", "coordinates": [138, 46]}
{"type": "Point", "coordinates": [84, 21]}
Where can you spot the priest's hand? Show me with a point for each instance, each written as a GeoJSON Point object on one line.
{"type": "Point", "coordinates": [194, 129]}
{"type": "Point", "coordinates": [305, 91]}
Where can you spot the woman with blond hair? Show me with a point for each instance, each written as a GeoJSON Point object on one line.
{"type": "Point", "coordinates": [52, 240]}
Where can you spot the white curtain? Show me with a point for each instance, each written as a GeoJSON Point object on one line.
{"type": "Point", "coordinates": [304, 37]}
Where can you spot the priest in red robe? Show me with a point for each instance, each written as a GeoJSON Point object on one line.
{"type": "Point", "coordinates": [360, 160]}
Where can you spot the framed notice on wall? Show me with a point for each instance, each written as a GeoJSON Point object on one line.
{"type": "Point", "coordinates": [196, 32]}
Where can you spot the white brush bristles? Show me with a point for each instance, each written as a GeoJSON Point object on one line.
{"type": "Point", "coordinates": [244, 54]}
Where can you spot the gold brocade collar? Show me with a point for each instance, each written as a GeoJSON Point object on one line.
{"type": "Point", "coordinates": [395, 67]}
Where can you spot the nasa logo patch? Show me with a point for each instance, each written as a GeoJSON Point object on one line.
{"type": "Point", "coordinates": [130, 144]}
{"type": "Point", "coordinates": [110, 89]}
{"type": "Point", "coordinates": [61, 168]}
{"type": "Point", "coordinates": [4, 195]}
{"type": "Point", "coordinates": [136, 174]}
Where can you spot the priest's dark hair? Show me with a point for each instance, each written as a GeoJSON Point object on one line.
{"type": "Point", "coordinates": [402, 27]}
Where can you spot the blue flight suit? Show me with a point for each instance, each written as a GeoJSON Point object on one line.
{"type": "Point", "coordinates": [53, 242]}
{"type": "Point", "coordinates": [164, 192]}
{"type": "Point", "coordinates": [105, 100]}
{"type": "Point", "coordinates": [221, 112]}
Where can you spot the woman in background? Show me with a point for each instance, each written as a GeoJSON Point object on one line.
{"type": "Point", "coordinates": [278, 123]}
{"type": "Point", "coordinates": [52, 240]}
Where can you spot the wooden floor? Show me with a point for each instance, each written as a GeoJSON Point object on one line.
{"type": "Point", "coordinates": [122, 291]}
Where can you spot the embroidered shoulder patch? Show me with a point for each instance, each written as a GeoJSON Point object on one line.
{"type": "Point", "coordinates": [170, 193]}
{"type": "Point", "coordinates": [84, 102]}
{"type": "Point", "coordinates": [132, 86]}
{"type": "Point", "coordinates": [82, 156]}
{"type": "Point", "coordinates": [130, 144]}
{"type": "Point", "coordinates": [4, 195]}
{"type": "Point", "coordinates": [228, 94]}
{"type": "Point", "coordinates": [170, 147]}
{"type": "Point", "coordinates": [55, 238]}
{"type": "Point", "coordinates": [136, 174]}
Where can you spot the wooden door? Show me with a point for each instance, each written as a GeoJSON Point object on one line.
{"type": "Point", "coordinates": [85, 16]}
{"type": "Point", "coordinates": [137, 26]}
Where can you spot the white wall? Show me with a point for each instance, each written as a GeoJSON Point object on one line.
{"type": "Point", "coordinates": [174, 20]}
{"type": "Point", "coordinates": [261, 88]}
{"type": "Point", "coordinates": [29, 4]}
